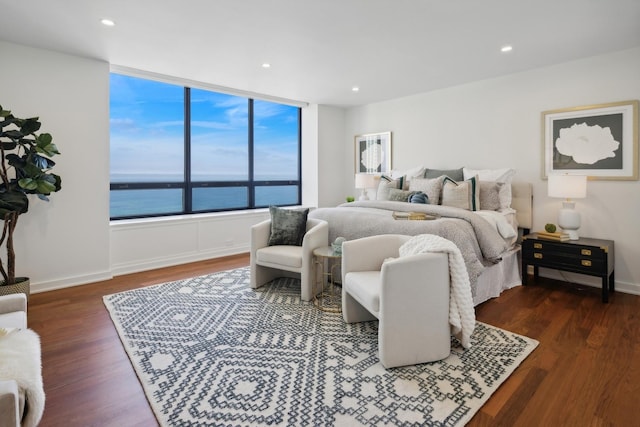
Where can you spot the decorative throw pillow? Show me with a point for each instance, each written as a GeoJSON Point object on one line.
{"type": "Point", "coordinates": [396, 195]}
{"type": "Point", "coordinates": [504, 175]}
{"type": "Point", "coordinates": [454, 174]}
{"type": "Point", "coordinates": [287, 226]}
{"type": "Point", "coordinates": [431, 187]}
{"type": "Point", "coordinates": [419, 197]}
{"type": "Point", "coordinates": [386, 184]}
{"type": "Point", "coordinates": [409, 174]}
{"type": "Point", "coordinates": [490, 195]}
{"type": "Point", "coordinates": [461, 194]}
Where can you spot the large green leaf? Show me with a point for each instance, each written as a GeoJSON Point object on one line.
{"type": "Point", "coordinates": [45, 146]}
{"type": "Point", "coordinates": [14, 134]}
{"type": "Point", "coordinates": [28, 183]}
{"type": "Point", "coordinates": [13, 201]}
{"type": "Point", "coordinates": [45, 187]}
{"type": "Point", "coordinates": [9, 145]}
{"type": "Point", "coordinates": [30, 126]}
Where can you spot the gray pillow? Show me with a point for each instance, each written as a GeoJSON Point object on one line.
{"type": "Point", "coordinates": [431, 187]}
{"type": "Point", "coordinates": [396, 195]}
{"type": "Point", "coordinates": [490, 195]}
{"type": "Point", "coordinates": [287, 226]}
{"type": "Point", "coordinates": [454, 174]}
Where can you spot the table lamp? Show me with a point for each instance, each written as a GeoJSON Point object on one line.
{"type": "Point", "coordinates": [568, 187]}
{"type": "Point", "coordinates": [363, 182]}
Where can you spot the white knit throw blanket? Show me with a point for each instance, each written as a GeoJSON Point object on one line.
{"type": "Point", "coordinates": [462, 316]}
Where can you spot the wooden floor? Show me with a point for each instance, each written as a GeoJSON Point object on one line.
{"type": "Point", "coordinates": [585, 372]}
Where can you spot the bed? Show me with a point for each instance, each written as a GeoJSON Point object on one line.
{"type": "Point", "coordinates": [490, 257]}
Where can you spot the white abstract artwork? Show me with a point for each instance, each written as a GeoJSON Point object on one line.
{"type": "Point", "coordinates": [599, 141]}
{"type": "Point", "coordinates": [587, 144]}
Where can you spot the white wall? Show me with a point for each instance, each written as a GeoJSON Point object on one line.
{"type": "Point", "coordinates": [331, 162]}
{"type": "Point", "coordinates": [497, 123]}
{"type": "Point", "coordinates": [66, 241]}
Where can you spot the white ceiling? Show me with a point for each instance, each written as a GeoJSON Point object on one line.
{"type": "Point", "coordinates": [320, 49]}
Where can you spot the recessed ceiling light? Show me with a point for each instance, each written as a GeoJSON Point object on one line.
{"type": "Point", "coordinates": [108, 22]}
{"type": "Point", "coordinates": [506, 48]}
{"type": "Point", "coordinates": [355, 89]}
{"type": "Point", "coordinates": [266, 65]}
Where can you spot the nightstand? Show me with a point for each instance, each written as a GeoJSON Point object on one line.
{"type": "Point", "coordinates": [594, 257]}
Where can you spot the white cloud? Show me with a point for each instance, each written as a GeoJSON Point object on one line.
{"type": "Point", "coordinates": [587, 144]}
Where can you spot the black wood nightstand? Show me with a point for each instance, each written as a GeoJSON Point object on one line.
{"type": "Point", "coordinates": [594, 257]}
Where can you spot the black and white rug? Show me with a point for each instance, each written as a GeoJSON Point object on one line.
{"type": "Point", "coordinates": [212, 351]}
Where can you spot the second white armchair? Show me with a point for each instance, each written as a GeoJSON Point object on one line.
{"type": "Point", "coordinates": [408, 295]}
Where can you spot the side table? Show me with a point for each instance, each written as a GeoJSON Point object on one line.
{"type": "Point", "coordinates": [327, 263]}
{"type": "Point", "coordinates": [594, 257]}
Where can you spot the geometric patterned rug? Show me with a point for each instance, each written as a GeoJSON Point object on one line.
{"type": "Point", "coordinates": [212, 351]}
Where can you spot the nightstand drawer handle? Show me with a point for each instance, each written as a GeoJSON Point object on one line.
{"type": "Point", "coordinates": [586, 263]}
{"type": "Point", "coordinates": [537, 255]}
{"type": "Point", "coordinates": [586, 252]}
{"type": "Point", "coordinates": [537, 246]}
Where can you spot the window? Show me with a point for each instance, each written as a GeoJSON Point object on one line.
{"type": "Point", "coordinates": [178, 150]}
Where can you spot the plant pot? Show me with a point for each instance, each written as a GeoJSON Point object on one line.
{"type": "Point", "coordinates": [22, 285]}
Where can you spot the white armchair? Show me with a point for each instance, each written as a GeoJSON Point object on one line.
{"type": "Point", "coordinates": [270, 262]}
{"type": "Point", "coordinates": [21, 390]}
{"type": "Point", "coordinates": [409, 296]}
{"type": "Point", "coordinates": [13, 311]}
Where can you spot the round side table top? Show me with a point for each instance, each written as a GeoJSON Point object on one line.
{"type": "Point", "coordinates": [326, 252]}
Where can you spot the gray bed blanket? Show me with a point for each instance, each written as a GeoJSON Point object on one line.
{"type": "Point", "coordinates": [480, 243]}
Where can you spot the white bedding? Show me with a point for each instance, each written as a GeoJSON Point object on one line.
{"type": "Point", "coordinates": [504, 222]}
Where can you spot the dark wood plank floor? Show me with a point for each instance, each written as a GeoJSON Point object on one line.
{"type": "Point", "coordinates": [585, 372]}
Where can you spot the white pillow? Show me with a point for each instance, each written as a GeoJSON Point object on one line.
{"type": "Point", "coordinates": [409, 174]}
{"type": "Point", "coordinates": [498, 175]}
{"type": "Point", "coordinates": [417, 172]}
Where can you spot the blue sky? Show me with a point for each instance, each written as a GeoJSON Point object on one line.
{"type": "Point", "coordinates": [147, 128]}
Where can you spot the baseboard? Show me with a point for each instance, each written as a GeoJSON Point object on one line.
{"type": "Point", "coordinates": [136, 267]}
{"type": "Point", "coordinates": [68, 282]}
{"type": "Point", "coordinates": [152, 264]}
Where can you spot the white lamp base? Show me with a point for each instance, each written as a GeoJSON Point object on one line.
{"type": "Point", "coordinates": [364, 195]}
{"type": "Point", "coordinates": [569, 220]}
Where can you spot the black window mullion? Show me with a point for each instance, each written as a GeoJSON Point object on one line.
{"type": "Point", "coordinates": [188, 193]}
{"type": "Point", "coordinates": [251, 187]}
{"type": "Point", "coordinates": [299, 156]}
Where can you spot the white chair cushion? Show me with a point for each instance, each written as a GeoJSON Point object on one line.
{"type": "Point", "coordinates": [16, 319]}
{"type": "Point", "coordinates": [290, 256]}
{"type": "Point", "coordinates": [365, 287]}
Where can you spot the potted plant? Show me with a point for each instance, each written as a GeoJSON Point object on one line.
{"type": "Point", "coordinates": [25, 162]}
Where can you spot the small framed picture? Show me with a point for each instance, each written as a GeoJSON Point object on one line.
{"type": "Point", "coordinates": [600, 141]}
{"type": "Point", "coordinates": [373, 153]}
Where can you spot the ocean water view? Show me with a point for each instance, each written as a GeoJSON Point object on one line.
{"type": "Point", "coordinates": [134, 202]}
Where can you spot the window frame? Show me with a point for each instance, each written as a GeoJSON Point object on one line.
{"type": "Point", "coordinates": [187, 185]}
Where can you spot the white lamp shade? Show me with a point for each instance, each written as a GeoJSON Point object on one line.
{"type": "Point", "coordinates": [567, 186]}
{"type": "Point", "coordinates": [365, 180]}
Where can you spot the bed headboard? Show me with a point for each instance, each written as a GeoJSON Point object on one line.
{"type": "Point", "coordinates": [522, 202]}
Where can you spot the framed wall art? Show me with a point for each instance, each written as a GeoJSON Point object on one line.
{"type": "Point", "coordinates": [600, 141]}
{"type": "Point", "coordinates": [373, 153]}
